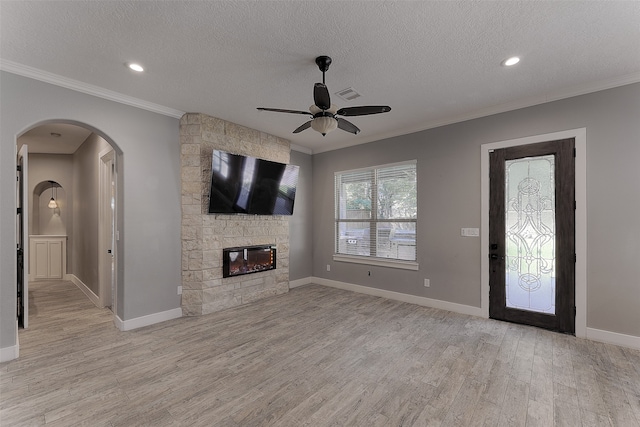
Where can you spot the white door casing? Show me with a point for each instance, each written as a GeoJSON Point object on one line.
{"type": "Point", "coordinates": [106, 232]}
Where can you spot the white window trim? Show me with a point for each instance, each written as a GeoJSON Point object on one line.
{"type": "Point", "coordinates": [380, 262]}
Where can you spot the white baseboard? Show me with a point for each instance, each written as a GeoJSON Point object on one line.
{"type": "Point", "coordinates": [300, 282]}
{"type": "Point", "coordinates": [151, 319]}
{"type": "Point", "coordinates": [613, 338]}
{"type": "Point", "coordinates": [118, 322]}
{"type": "Point", "coordinates": [9, 353]}
{"type": "Point", "coordinates": [95, 299]}
{"type": "Point", "coordinates": [12, 352]}
{"type": "Point", "coordinates": [412, 299]}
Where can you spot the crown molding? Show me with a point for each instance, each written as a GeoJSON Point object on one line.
{"type": "Point", "coordinates": [301, 149]}
{"type": "Point", "coordinates": [503, 108]}
{"type": "Point", "coordinates": [78, 86]}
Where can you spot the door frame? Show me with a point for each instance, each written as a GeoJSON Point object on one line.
{"type": "Point", "coordinates": [580, 136]}
{"type": "Point", "coordinates": [105, 157]}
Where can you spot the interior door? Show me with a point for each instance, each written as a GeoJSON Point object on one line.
{"type": "Point", "coordinates": [532, 235]}
{"type": "Point", "coordinates": [22, 236]}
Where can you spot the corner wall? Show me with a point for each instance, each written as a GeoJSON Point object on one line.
{"type": "Point", "coordinates": [204, 236]}
{"type": "Point", "coordinates": [84, 256]}
{"type": "Point", "coordinates": [301, 222]}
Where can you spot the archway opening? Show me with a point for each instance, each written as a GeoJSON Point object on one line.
{"type": "Point", "coordinates": [64, 184]}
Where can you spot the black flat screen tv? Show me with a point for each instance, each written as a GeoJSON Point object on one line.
{"type": "Point", "coordinates": [247, 185]}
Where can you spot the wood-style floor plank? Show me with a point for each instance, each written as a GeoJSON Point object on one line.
{"type": "Point", "coordinates": [316, 356]}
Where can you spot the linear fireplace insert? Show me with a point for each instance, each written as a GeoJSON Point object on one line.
{"type": "Point", "coordinates": [248, 259]}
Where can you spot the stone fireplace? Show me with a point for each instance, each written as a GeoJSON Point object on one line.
{"type": "Point", "coordinates": [205, 236]}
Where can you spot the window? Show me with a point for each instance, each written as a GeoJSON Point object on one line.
{"type": "Point", "coordinates": [376, 213]}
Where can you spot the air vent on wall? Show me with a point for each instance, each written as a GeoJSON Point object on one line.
{"type": "Point", "coordinates": [348, 94]}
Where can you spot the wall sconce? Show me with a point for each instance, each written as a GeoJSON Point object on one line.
{"type": "Point", "coordinates": [52, 202]}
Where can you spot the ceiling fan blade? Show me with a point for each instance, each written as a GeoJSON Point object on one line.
{"type": "Point", "coordinates": [279, 110]}
{"type": "Point", "coordinates": [347, 126]}
{"type": "Point", "coordinates": [307, 125]}
{"type": "Point", "coordinates": [364, 110]}
{"type": "Point", "coordinates": [321, 96]}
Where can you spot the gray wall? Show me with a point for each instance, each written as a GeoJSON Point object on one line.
{"type": "Point", "coordinates": [86, 176]}
{"type": "Point", "coordinates": [449, 199]}
{"type": "Point", "coordinates": [149, 166]}
{"type": "Point", "coordinates": [300, 224]}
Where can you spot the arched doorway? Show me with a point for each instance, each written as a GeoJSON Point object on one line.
{"type": "Point", "coordinates": [76, 166]}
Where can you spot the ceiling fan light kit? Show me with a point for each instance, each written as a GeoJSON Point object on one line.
{"type": "Point", "coordinates": [324, 125]}
{"type": "Point", "coordinates": [323, 113]}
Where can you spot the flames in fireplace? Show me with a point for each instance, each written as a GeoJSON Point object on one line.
{"type": "Point", "coordinates": [248, 259]}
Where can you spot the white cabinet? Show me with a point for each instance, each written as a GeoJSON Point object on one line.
{"type": "Point", "coordinates": [48, 257]}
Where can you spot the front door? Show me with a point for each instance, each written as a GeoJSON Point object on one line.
{"type": "Point", "coordinates": [532, 235]}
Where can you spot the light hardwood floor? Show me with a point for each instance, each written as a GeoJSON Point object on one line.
{"type": "Point", "coordinates": [316, 356]}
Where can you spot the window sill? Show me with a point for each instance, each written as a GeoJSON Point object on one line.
{"type": "Point", "coordinates": [380, 262]}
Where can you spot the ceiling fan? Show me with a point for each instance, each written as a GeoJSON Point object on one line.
{"type": "Point", "coordinates": [323, 113]}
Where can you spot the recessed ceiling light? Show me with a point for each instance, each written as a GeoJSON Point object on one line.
{"type": "Point", "coordinates": [510, 61]}
{"type": "Point", "coordinates": [135, 67]}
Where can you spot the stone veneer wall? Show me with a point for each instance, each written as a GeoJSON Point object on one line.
{"type": "Point", "coordinates": [204, 290]}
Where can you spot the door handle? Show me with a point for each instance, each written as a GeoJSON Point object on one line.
{"type": "Point", "coordinates": [495, 256]}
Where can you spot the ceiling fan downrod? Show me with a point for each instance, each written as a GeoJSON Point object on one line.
{"type": "Point", "coordinates": [323, 63]}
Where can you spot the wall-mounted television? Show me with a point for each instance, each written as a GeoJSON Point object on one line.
{"type": "Point", "coordinates": [247, 185]}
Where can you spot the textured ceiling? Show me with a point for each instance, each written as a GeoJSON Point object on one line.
{"type": "Point", "coordinates": [432, 62]}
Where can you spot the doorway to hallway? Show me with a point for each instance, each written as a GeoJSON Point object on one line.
{"type": "Point", "coordinates": [83, 166]}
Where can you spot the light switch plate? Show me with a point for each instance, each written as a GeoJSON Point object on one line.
{"type": "Point", "coordinates": [470, 232]}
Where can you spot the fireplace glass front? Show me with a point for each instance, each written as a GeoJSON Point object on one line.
{"type": "Point", "coordinates": [247, 260]}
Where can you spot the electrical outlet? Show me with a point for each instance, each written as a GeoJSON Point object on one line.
{"type": "Point", "coordinates": [328, 267]}
{"type": "Point", "coordinates": [427, 283]}
{"type": "Point", "coordinates": [179, 290]}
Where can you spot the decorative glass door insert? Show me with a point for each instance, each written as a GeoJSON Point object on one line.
{"type": "Point", "coordinates": [530, 243]}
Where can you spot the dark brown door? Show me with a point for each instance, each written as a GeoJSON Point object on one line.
{"type": "Point", "coordinates": [532, 235]}
{"type": "Point", "coordinates": [22, 231]}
